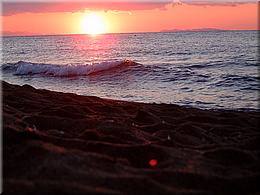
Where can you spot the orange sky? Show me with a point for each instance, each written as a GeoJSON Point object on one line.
{"type": "Point", "coordinates": [141, 18]}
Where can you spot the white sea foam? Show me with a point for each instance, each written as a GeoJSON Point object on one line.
{"type": "Point", "coordinates": [28, 68]}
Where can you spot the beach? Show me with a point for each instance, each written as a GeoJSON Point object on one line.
{"type": "Point", "coordinates": [56, 142]}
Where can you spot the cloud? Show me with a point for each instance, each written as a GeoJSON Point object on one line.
{"type": "Point", "coordinates": [13, 7]}
{"type": "Point", "coordinates": [214, 2]}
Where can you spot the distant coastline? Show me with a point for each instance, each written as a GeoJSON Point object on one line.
{"type": "Point", "coordinates": [195, 30]}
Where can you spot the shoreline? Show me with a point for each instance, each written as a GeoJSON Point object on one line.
{"type": "Point", "coordinates": [63, 142]}
{"type": "Point", "coordinates": [214, 109]}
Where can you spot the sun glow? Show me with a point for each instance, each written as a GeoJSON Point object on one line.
{"type": "Point", "coordinates": [93, 24]}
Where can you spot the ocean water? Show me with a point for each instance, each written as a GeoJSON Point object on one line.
{"type": "Point", "coordinates": [209, 70]}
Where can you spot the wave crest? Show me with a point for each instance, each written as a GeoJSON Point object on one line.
{"type": "Point", "coordinates": [29, 68]}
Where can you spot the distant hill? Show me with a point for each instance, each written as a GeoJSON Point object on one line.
{"type": "Point", "coordinates": [194, 30]}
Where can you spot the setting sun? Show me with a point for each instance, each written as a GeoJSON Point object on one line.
{"type": "Point", "coordinates": [93, 23]}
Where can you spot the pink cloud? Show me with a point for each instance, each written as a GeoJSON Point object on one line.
{"type": "Point", "coordinates": [39, 7]}
{"type": "Point", "coordinates": [12, 8]}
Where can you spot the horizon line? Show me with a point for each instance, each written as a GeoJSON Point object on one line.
{"type": "Point", "coordinates": [162, 31]}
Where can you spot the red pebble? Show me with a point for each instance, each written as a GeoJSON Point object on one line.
{"type": "Point", "coordinates": [153, 162]}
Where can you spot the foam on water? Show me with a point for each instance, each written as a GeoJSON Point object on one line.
{"type": "Point", "coordinates": [29, 68]}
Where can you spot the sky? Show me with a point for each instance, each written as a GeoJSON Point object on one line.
{"type": "Point", "coordinates": [121, 16]}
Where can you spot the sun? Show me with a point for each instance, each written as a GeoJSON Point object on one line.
{"type": "Point", "coordinates": [93, 24]}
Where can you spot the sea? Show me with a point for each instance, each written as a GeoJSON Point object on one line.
{"type": "Point", "coordinates": [208, 70]}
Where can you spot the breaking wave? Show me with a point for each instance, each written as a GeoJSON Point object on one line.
{"type": "Point", "coordinates": [29, 68]}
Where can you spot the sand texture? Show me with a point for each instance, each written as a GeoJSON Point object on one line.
{"type": "Point", "coordinates": [64, 143]}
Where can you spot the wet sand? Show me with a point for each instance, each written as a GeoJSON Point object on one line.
{"type": "Point", "coordinates": [64, 143]}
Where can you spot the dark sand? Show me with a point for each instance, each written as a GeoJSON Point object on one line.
{"type": "Point", "coordinates": [57, 142]}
